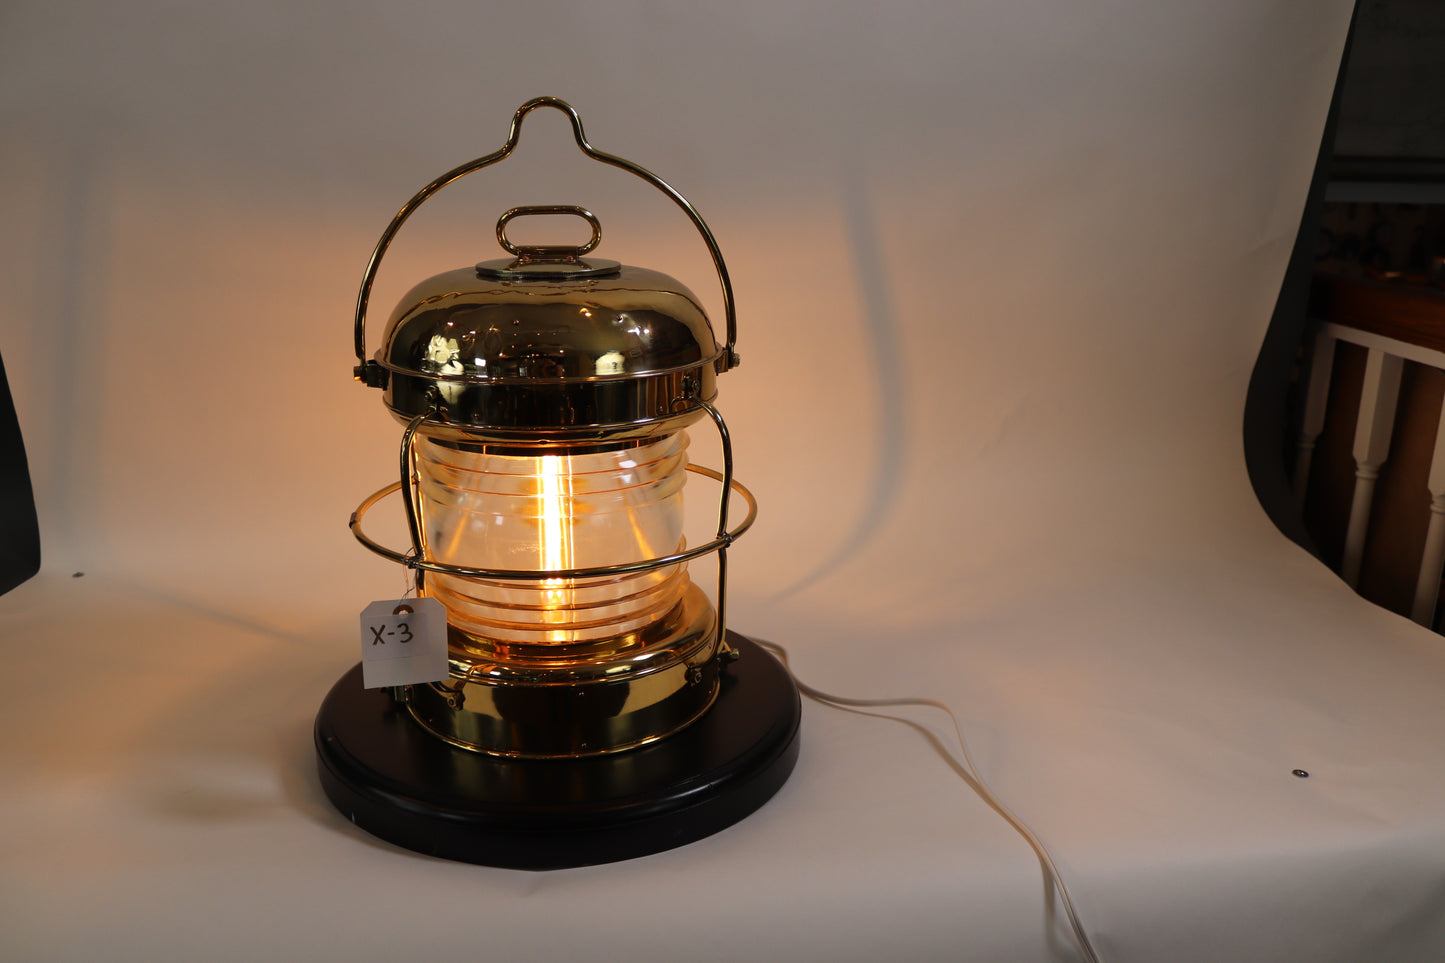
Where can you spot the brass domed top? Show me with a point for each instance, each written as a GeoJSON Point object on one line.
{"type": "Point", "coordinates": [550, 344]}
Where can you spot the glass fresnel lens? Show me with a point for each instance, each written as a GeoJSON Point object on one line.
{"type": "Point", "coordinates": [595, 706]}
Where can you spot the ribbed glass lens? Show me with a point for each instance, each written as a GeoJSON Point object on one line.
{"type": "Point", "coordinates": [553, 512]}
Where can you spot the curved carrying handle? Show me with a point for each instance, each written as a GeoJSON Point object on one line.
{"type": "Point", "coordinates": [373, 374]}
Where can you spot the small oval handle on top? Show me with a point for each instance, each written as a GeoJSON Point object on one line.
{"type": "Point", "coordinates": [547, 252]}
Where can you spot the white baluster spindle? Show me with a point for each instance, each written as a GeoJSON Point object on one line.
{"type": "Point", "coordinates": [1378, 397]}
{"type": "Point", "coordinates": [1432, 559]}
{"type": "Point", "coordinates": [1317, 396]}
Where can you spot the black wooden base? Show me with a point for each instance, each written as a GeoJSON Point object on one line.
{"type": "Point", "coordinates": [398, 782]}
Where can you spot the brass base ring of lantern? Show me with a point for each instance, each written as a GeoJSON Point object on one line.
{"type": "Point", "coordinates": [596, 707]}
{"type": "Point", "coordinates": [398, 782]}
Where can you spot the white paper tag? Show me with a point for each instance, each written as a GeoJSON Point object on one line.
{"type": "Point", "coordinates": [403, 642]}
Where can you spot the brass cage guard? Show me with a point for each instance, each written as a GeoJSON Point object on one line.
{"type": "Point", "coordinates": [416, 560]}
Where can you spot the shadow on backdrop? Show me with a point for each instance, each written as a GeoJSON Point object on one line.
{"type": "Point", "coordinates": [1266, 414]}
{"type": "Point", "coordinates": [19, 528]}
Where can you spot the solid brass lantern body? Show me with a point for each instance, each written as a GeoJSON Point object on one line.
{"type": "Point", "coordinates": [546, 398]}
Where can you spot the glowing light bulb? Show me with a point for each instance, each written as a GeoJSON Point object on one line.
{"type": "Point", "coordinates": [556, 540]}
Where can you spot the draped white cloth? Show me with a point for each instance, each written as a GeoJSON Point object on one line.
{"type": "Point", "coordinates": [1002, 272]}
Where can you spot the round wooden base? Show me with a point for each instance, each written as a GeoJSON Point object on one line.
{"type": "Point", "coordinates": [398, 782]}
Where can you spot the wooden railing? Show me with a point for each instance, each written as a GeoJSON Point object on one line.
{"type": "Point", "coordinates": [1396, 324]}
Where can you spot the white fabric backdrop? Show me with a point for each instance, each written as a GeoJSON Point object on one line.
{"type": "Point", "coordinates": [1002, 271]}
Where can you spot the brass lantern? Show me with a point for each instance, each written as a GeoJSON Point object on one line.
{"type": "Point", "coordinates": [595, 706]}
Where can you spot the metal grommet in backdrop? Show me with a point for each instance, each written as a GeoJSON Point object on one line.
{"type": "Point", "coordinates": [594, 704]}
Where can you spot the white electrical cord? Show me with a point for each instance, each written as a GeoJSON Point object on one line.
{"type": "Point", "coordinates": [1052, 877]}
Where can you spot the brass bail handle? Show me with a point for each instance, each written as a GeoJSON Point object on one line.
{"type": "Point", "coordinates": [547, 252]}
{"type": "Point", "coordinates": [374, 375]}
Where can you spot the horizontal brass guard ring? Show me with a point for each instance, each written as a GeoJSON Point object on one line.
{"type": "Point", "coordinates": [623, 568]}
